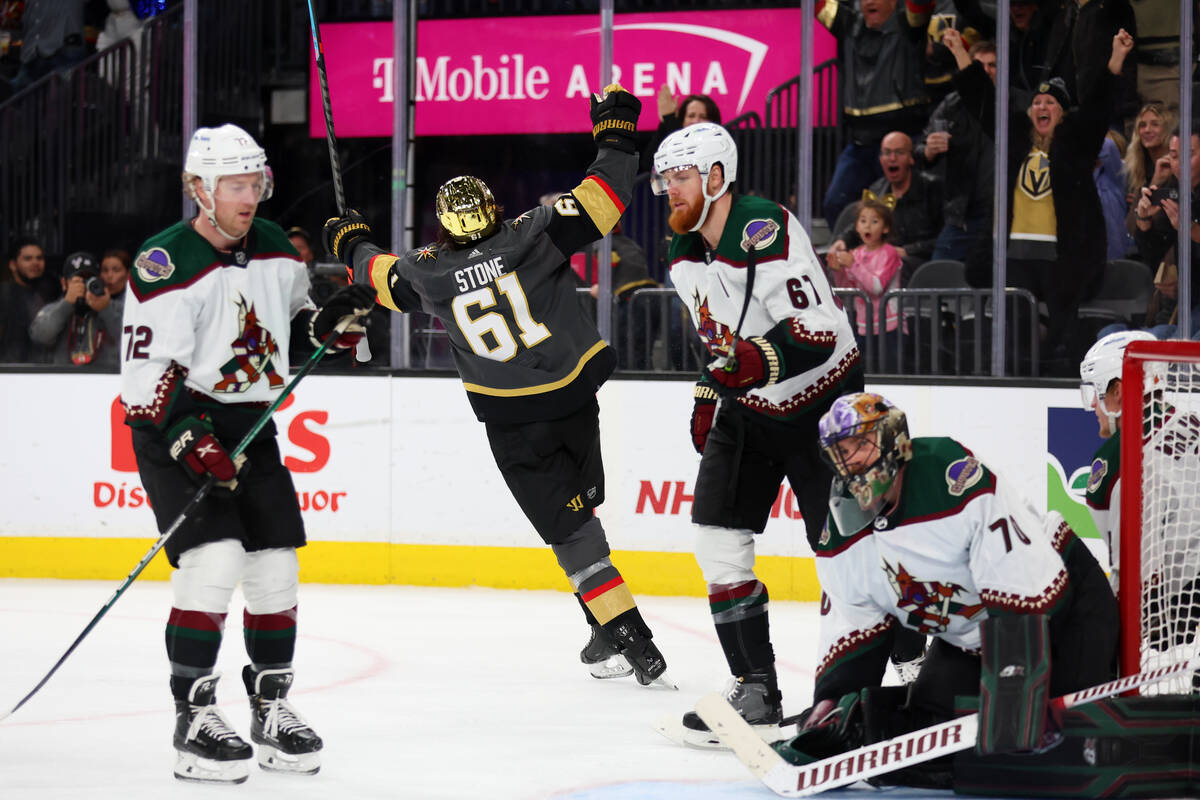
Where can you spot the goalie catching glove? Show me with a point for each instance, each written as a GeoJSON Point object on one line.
{"type": "Point", "coordinates": [351, 303]}
{"type": "Point", "coordinates": [614, 119]}
{"type": "Point", "coordinates": [754, 363]}
{"type": "Point", "coordinates": [340, 233]}
{"type": "Point", "coordinates": [194, 445]}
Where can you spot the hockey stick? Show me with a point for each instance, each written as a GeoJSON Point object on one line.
{"type": "Point", "coordinates": [789, 780]}
{"type": "Point", "coordinates": [197, 498]}
{"type": "Point", "coordinates": [339, 191]}
{"type": "Point", "coordinates": [362, 351]}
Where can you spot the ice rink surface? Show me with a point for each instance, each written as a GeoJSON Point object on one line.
{"type": "Point", "coordinates": [417, 692]}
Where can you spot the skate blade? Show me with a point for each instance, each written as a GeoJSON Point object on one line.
{"type": "Point", "coordinates": [275, 760]}
{"type": "Point", "coordinates": [191, 767]}
{"type": "Point", "coordinates": [612, 667]}
{"type": "Point", "coordinates": [664, 680]}
{"type": "Point", "coordinates": [671, 727]}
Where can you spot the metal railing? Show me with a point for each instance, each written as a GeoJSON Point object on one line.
{"type": "Point", "coordinates": [91, 151]}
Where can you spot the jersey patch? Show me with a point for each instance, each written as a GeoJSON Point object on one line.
{"type": "Point", "coordinates": [427, 253]}
{"type": "Point", "coordinates": [1099, 471]}
{"type": "Point", "coordinates": [962, 475]}
{"type": "Point", "coordinates": [759, 234]}
{"type": "Point", "coordinates": [929, 604]}
{"type": "Point", "coordinates": [154, 265]}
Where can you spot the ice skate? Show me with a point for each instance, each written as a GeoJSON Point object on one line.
{"type": "Point", "coordinates": [756, 698]}
{"type": "Point", "coordinates": [603, 657]}
{"type": "Point", "coordinates": [208, 750]}
{"type": "Point", "coordinates": [907, 671]}
{"type": "Point", "coordinates": [634, 639]}
{"type": "Point", "coordinates": [285, 741]}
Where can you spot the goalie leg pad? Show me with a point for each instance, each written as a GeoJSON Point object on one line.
{"type": "Point", "coordinates": [1014, 685]}
{"type": "Point", "coordinates": [1127, 747]}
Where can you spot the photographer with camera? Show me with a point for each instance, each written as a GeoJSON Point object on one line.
{"type": "Point", "coordinates": [83, 327]}
{"type": "Point", "coordinates": [1155, 218]}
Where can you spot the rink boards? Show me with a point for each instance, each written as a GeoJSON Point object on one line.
{"type": "Point", "coordinates": [397, 483]}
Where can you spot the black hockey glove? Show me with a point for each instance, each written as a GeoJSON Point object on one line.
{"type": "Point", "coordinates": [614, 119]}
{"type": "Point", "coordinates": [702, 415]}
{"type": "Point", "coordinates": [341, 232]}
{"type": "Point", "coordinates": [194, 445]}
{"type": "Point", "coordinates": [753, 364]}
{"type": "Point", "coordinates": [352, 302]}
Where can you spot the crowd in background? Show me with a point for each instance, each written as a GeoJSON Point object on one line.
{"type": "Point", "coordinates": [1092, 176]}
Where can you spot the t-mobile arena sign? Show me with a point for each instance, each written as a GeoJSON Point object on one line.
{"type": "Point", "coordinates": [534, 74]}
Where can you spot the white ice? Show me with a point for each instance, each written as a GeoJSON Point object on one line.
{"type": "Point", "coordinates": [417, 692]}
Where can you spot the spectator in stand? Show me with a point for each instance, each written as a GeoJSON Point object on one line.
{"type": "Point", "coordinates": [1146, 157]}
{"type": "Point", "coordinates": [1156, 221]}
{"type": "Point", "coordinates": [51, 38]}
{"type": "Point", "coordinates": [873, 267]}
{"type": "Point", "coordinates": [916, 201]}
{"type": "Point", "coordinates": [1110, 185]}
{"type": "Point", "coordinates": [1029, 29]}
{"type": "Point", "coordinates": [303, 244]}
{"type": "Point", "coordinates": [83, 327]}
{"type": "Point", "coordinates": [21, 299]}
{"type": "Point", "coordinates": [959, 144]}
{"type": "Point", "coordinates": [675, 114]}
{"type": "Point", "coordinates": [881, 72]}
{"type": "Point", "coordinates": [1158, 52]}
{"type": "Point", "coordinates": [1055, 226]}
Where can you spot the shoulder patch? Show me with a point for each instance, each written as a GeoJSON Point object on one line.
{"type": "Point", "coordinates": [427, 253]}
{"type": "Point", "coordinates": [154, 265]}
{"type": "Point", "coordinates": [524, 217]}
{"type": "Point", "coordinates": [962, 475]}
{"type": "Point", "coordinates": [1097, 475]}
{"type": "Point", "coordinates": [759, 234]}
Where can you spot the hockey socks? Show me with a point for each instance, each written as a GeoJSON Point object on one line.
{"type": "Point", "coordinates": [270, 638]}
{"type": "Point", "coordinates": [193, 639]}
{"type": "Point", "coordinates": [739, 612]}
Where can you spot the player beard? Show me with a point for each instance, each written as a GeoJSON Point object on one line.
{"type": "Point", "coordinates": [684, 219]}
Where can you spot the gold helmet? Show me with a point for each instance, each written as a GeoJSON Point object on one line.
{"type": "Point", "coordinates": [466, 209]}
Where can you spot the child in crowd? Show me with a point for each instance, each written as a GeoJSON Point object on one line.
{"type": "Point", "coordinates": [873, 267]}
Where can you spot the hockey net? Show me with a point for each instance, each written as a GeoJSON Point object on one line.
{"type": "Point", "coordinates": [1159, 575]}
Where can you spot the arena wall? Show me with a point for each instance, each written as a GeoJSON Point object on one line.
{"type": "Point", "coordinates": [398, 485]}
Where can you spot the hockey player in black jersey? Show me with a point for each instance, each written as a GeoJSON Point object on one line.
{"type": "Point", "coordinates": [531, 362]}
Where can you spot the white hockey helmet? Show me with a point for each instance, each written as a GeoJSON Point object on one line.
{"type": "Point", "coordinates": [699, 146]}
{"type": "Point", "coordinates": [216, 152]}
{"type": "Point", "coordinates": [1102, 365]}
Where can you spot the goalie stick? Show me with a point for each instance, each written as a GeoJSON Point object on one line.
{"type": "Point", "coordinates": [917, 747]}
{"type": "Point", "coordinates": [201, 492]}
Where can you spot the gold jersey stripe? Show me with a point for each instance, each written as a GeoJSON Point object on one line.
{"type": "Point", "coordinates": [599, 204]}
{"type": "Point", "coordinates": [542, 388]}
{"type": "Point", "coordinates": [827, 13]}
{"type": "Point", "coordinates": [866, 112]}
{"type": "Point", "coordinates": [380, 266]}
{"type": "Point", "coordinates": [611, 604]}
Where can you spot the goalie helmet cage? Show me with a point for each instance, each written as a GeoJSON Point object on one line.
{"type": "Point", "coordinates": [1159, 577]}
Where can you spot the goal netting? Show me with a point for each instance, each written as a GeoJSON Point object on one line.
{"type": "Point", "coordinates": [1159, 576]}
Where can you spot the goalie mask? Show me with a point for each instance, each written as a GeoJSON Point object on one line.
{"type": "Point", "coordinates": [215, 153]}
{"type": "Point", "coordinates": [865, 439]}
{"type": "Point", "coordinates": [466, 209]}
{"type": "Point", "coordinates": [700, 146]}
{"type": "Point", "coordinates": [1102, 365]}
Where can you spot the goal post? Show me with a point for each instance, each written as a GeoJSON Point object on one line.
{"type": "Point", "coordinates": [1159, 575]}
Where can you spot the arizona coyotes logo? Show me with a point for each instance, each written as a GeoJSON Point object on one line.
{"type": "Point", "coordinates": [253, 352]}
{"type": "Point", "coordinates": [929, 603]}
{"type": "Point", "coordinates": [1034, 179]}
{"type": "Point", "coordinates": [716, 336]}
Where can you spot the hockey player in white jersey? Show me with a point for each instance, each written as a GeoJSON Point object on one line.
{"type": "Point", "coordinates": [214, 304]}
{"type": "Point", "coordinates": [922, 535]}
{"type": "Point", "coordinates": [1170, 453]}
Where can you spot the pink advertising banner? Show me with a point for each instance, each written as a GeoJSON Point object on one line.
{"type": "Point", "coordinates": [534, 74]}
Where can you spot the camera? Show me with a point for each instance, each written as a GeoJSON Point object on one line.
{"type": "Point", "coordinates": [95, 286]}
{"type": "Point", "coordinates": [1164, 193]}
